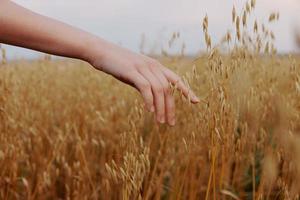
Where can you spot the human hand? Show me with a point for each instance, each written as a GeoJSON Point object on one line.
{"type": "Point", "coordinates": [145, 74]}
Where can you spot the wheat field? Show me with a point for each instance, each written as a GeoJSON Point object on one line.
{"type": "Point", "coordinates": [68, 131]}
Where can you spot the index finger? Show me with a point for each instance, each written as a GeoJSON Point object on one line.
{"type": "Point", "coordinates": [175, 79]}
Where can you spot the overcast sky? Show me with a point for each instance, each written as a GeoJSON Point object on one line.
{"type": "Point", "coordinates": [124, 21]}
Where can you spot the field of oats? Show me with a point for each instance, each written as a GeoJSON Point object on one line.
{"type": "Point", "coordinates": [68, 131]}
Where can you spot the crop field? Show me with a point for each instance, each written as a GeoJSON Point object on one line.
{"type": "Point", "coordinates": [68, 131]}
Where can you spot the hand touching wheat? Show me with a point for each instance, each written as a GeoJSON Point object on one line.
{"type": "Point", "coordinates": [147, 75]}
{"type": "Point", "coordinates": [24, 28]}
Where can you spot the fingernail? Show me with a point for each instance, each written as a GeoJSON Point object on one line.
{"type": "Point", "coordinates": [161, 120]}
{"type": "Point", "coordinates": [195, 98]}
{"type": "Point", "coordinates": [172, 122]}
{"type": "Point", "coordinates": [152, 109]}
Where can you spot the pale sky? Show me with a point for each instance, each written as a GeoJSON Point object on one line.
{"type": "Point", "coordinates": [124, 21]}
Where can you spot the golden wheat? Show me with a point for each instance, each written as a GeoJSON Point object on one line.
{"type": "Point", "coordinates": [70, 132]}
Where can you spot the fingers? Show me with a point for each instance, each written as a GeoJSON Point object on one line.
{"type": "Point", "coordinates": [144, 88]}
{"type": "Point", "coordinates": [175, 79]}
{"type": "Point", "coordinates": [158, 93]}
{"type": "Point", "coordinates": [169, 99]}
{"type": "Point", "coordinates": [152, 80]}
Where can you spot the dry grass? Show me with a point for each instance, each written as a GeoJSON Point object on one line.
{"type": "Point", "coordinates": [69, 132]}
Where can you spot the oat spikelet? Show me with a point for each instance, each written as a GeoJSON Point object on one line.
{"type": "Point", "coordinates": [273, 17]}
{"type": "Point", "coordinates": [272, 35]}
{"type": "Point", "coordinates": [238, 35]}
{"type": "Point", "coordinates": [237, 26]}
{"type": "Point", "coordinates": [228, 37]}
{"type": "Point", "coordinates": [205, 24]}
{"type": "Point", "coordinates": [255, 27]}
{"type": "Point", "coordinates": [207, 40]}
{"type": "Point", "coordinates": [248, 9]}
{"type": "Point", "coordinates": [253, 2]}
{"type": "Point", "coordinates": [233, 14]}
{"type": "Point", "coordinates": [267, 48]}
{"type": "Point", "coordinates": [237, 23]}
{"type": "Point", "coordinates": [245, 19]}
{"type": "Point", "coordinates": [258, 44]}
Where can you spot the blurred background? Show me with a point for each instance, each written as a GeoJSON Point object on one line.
{"type": "Point", "coordinates": [148, 25]}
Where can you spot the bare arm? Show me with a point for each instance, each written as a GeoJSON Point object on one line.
{"type": "Point", "coordinates": [21, 27]}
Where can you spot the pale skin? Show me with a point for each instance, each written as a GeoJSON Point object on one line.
{"type": "Point", "coordinates": [24, 28]}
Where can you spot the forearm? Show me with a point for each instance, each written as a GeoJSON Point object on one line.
{"type": "Point", "coordinates": [21, 27]}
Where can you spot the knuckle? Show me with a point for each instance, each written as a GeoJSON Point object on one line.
{"type": "Point", "coordinates": [137, 65]}
{"type": "Point", "coordinates": [153, 63]}
{"type": "Point", "coordinates": [144, 85]}
{"type": "Point", "coordinates": [166, 87]}
{"type": "Point", "coordinates": [158, 89]}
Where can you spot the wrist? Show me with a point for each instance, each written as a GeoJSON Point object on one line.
{"type": "Point", "coordinates": [93, 50]}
